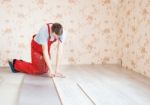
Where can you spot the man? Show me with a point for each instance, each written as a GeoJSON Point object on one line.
{"type": "Point", "coordinates": [40, 52]}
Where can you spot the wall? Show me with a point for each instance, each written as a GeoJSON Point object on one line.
{"type": "Point", "coordinates": [90, 26]}
{"type": "Point", "coordinates": [98, 31]}
{"type": "Point", "coordinates": [134, 35]}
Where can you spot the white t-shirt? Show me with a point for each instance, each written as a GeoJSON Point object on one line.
{"type": "Point", "coordinates": [43, 36]}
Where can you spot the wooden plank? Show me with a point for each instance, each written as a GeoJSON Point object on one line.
{"type": "Point", "coordinates": [38, 90]}
{"type": "Point", "coordinates": [86, 93]}
{"type": "Point", "coordinates": [10, 84]}
{"type": "Point", "coordinates": [68, 90]}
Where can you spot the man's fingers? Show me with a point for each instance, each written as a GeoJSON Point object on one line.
{"type": "Point", "coordinates": [52, 75]}
{"type": "Point", "coordinates": [59, 75]}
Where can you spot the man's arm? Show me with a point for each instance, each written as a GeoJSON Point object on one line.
{"type": "Point", "coordinates": [47, 59]}
{"type": "Point", "coordinates": [58, 56]}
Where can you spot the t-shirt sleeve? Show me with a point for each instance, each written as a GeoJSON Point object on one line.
{"type": "Point", "coordinates": [63, 37]}
{"type": "Point", "coordinates": [42, 37]}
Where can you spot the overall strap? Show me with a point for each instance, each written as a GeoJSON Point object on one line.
{"type": "Point", "coordinates": [49, 30]}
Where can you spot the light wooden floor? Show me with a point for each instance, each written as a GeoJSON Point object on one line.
{"type": "Point", "coordinates": [38, 90]}
{"type": "Point", "coordinates": [86, 85]}
{"type": "Point", "coordinates": [9, 86]}
{"type": "Point", "coordinates": [102, 85]}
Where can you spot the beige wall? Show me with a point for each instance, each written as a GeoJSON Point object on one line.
{"type": "Point", "coordinates": [98, 31]}
{"type": "Point", "coordinates": [89, 25]}
{"type": "Point", "coordinates": [134, 35]}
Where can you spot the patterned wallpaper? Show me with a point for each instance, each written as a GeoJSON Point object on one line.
{"type": "Point", "coordinates": [89, 25]}
{"type": "Point", "coordinates": [98, 31]}
{"type": "Point", "coordinates": [134, 35]}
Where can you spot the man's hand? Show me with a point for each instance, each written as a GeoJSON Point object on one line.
{"type": "Point", "coordinates": [58, 60]}
{"type": "Point", "coordinates": [58, 74]}
{"type": "Point", "coordinates": [51, 75]}
{"type": "Point", "coordinates": [47, 60]}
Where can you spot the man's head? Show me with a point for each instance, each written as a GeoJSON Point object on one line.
{"type": "Point", "coordinates": [57, 29]}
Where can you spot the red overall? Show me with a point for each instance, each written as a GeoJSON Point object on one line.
{"type": "Point", "coordinates": [38, 64]}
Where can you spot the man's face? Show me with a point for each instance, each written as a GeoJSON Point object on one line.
{"type": "Point", "coordinates": [56, 36]}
